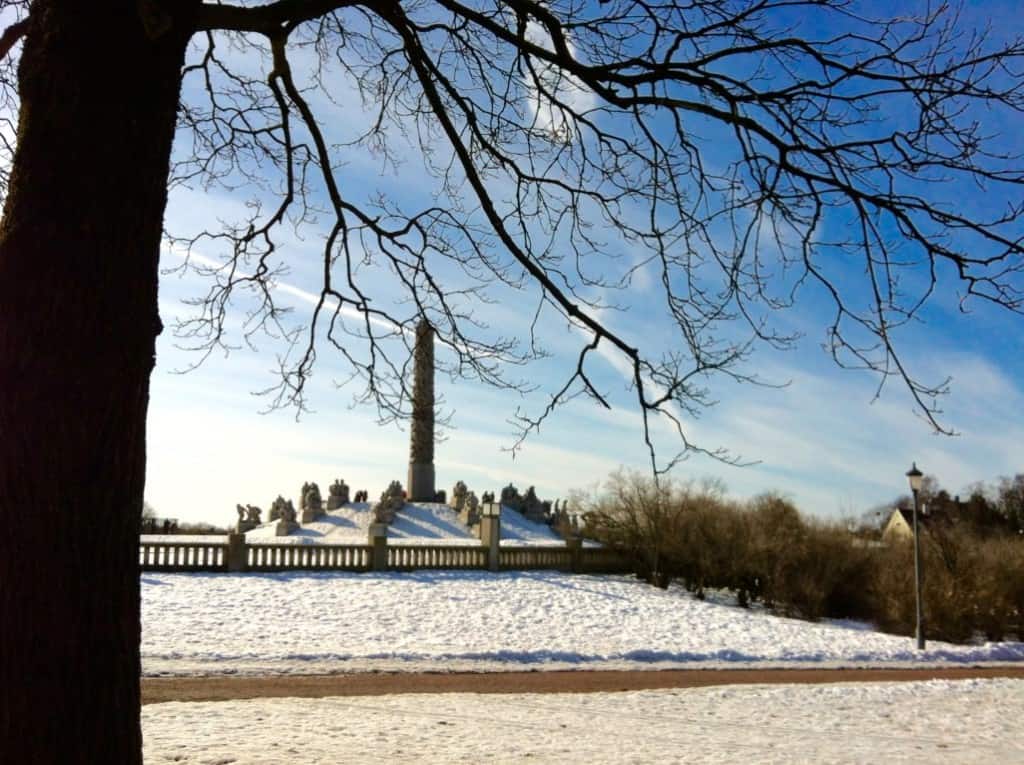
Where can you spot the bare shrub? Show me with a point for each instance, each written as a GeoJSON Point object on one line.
{"type": "Point", "coordinates": [711, 544]}
{"type": "Point", "coordinates": [808, 569]}
{"type": "Point", "coordinates": [1001, 590]}
{"type": "Point", "coordinates": [637, 518]}
{"type": "Point", "coordinates": [766, 551]}
{"type": "Point", "coordinates": [970, 586]}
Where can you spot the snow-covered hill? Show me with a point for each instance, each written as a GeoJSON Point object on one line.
{"type": "Point", "coordinates": [437, 621]}
{"type": "Point", "coordinates": [421, 523]}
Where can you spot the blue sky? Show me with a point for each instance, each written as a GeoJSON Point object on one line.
{"type": "Point", "coordinates": [824, 439]}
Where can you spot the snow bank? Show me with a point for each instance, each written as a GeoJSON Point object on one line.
{"type": "Point", "coordinates": [440, 621]}
{"type": "Point", "coordinates": [975, 721]}
{"type": "Point", "coordinates": [516, 528]}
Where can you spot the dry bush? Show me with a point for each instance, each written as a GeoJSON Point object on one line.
{"type": "Point", "coordinates": [802, 568]}
{"type": "Point", "coordinates": [637, 518]}
{"type": "Point", "coordinates": [970, 586]}
{"type": "Point", "coordinates": [663, 529]}
{"type": "Point", "coordinates": [766, 551]}
{"type": "Point", "coordinates": [709, 539]}
{"type": "Point", "coordinates": [1001, 589]}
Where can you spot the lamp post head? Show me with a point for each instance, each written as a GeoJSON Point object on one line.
{"type": "Point", "coordinates": [915, 477]}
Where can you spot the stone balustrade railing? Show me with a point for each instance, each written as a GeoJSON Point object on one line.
{"type": "Point", "coordinates": [601, 560]}
{"type": "Point", "coordinates": [287, 557]}
{"type": "Point", "coordinates": [183, 556]}
{"type": "Point", "coordinates": [457, 557]}
{"type": "Point", "coordinates": [526, 558]}
{"type": "Point", "coordinates": [232, 553]}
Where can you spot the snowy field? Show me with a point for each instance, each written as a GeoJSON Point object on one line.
{"type": "Point", "coordinates": [967, 721]}
{"type": "Point", "coordinates": [444, 621]}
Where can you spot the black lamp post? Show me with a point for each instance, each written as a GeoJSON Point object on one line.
{"type": "Point", "coordinates": [915, 477]}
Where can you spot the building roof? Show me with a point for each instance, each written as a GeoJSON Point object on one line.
{"type": "Point", "coordinates": [907, 514]}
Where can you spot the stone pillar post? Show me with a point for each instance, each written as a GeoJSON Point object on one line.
{"type": "Point", "coordinates": [490, 534]}
{"type": "Point", "coordinates": [236, 557]}
{"type": "Point", "coordinates": [575, 545]}
{"type": "Point", "coordinates": [378, 539]}
{"type": "Point", "coordinates": [421, 433]}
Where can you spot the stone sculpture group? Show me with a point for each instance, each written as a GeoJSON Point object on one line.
{"type": "Point", "coordinates": [337, 495]}
{"type": "Point", "coordinates": [463, 501]}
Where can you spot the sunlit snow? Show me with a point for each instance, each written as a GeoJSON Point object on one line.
{"type": "Point", "coordinates": [968, 721]}
{"type": "Point", "coordinates": [440, 621]}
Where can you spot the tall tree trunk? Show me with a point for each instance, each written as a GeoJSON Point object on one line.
{"type": "Point", "coordinates": [79, 248]}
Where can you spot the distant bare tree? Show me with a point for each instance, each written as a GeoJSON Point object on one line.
{"type": "Point", "coordinates": [731, 146]}
{"type": "Point", "coordinates": [1010, 500]}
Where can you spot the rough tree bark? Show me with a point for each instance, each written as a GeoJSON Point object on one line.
{"type": "Point", "coordinates": [79, 249]}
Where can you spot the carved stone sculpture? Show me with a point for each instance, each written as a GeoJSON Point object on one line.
{"type": "Point", "coordinates": [276, 507]}
{"type": "Point", "coordinates": [532, 507]}
{"type": "Point", "coordinates": [528, 504]}
{"type": "Point", "coordinates": [286, 524]}
{"type": "Point", "coordinates": [337, 495]}
{"type": "Point", "coordinates": [510, 497]}
{"type": "Point", "coordinates": [472, 510]}
{"type": "Point", "coordinates": [421, 431]}
{"type": "Point", "coordinates": [311, 503]}
{"type": "Point", "coordinates": [288, 512]}
{"type": "Point", "coordinates": [459, 491]}
{"type": "Point", "coordinates": [391, 501]}
{"type": "Point", "coordinates": [247, 520]}
{"type": "Point", "coordinates": [309, 496]}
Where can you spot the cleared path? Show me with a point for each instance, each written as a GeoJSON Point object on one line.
{"type": "Point", "coordinates": [221, 688]}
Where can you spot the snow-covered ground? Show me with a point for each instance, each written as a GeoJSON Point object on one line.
{"type": "Point", "coordinates": [441, 621]}
{"type": "Point", "coordinates": [422, 523]}
{"type": "Point", "coordinates": [972, 721]}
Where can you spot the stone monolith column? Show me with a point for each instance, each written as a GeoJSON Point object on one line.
{"type": "Point", "coordinates": [421, 433]}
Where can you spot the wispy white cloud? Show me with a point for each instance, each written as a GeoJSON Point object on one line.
{"type": "Point", "coordinates": [555, 96]}
{"type": "Point", "coordinates": [287, 288]}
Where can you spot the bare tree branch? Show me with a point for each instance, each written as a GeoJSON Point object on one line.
{"type": "Point", "coordinates": [12, 35]}
{"type": "Point", "coordinates": [738, 157]}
